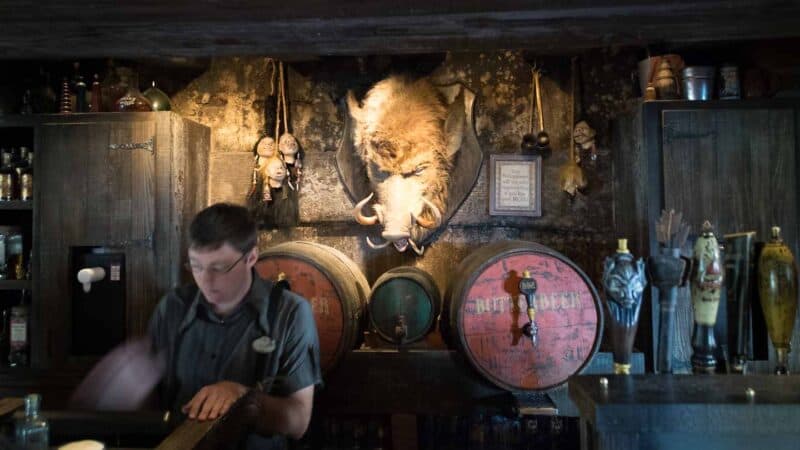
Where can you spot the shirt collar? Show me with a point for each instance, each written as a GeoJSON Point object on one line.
{"type": "Point", "coordinates": [254, 298]}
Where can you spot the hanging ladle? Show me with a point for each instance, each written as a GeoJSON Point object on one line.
{"type": "Point", "coordinates": [540, 143]}
{"type": "Point", "coordinates": [542, 138]}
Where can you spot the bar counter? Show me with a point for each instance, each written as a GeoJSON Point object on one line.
{"type": "Point", "coordinates": [687, 412]}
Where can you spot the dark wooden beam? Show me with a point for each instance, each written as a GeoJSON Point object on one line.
{"type": "Point", "coordinates": [97, 28]}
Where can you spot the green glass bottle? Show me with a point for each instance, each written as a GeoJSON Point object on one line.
{"type": "Point", "coordinates": [777, 287]}
{"type": "Point", "coordinates": [158, 98]}
{"type": "Point", "coordinates": [32, 431]}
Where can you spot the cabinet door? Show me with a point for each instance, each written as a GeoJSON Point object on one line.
{"type": "Point", "coordinates": [96, 185]}
{"type": "Point", "coordinates": [736, 168]}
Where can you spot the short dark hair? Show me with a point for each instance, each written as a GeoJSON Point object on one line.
{"type": "Point", "coordinates": [223, 223]}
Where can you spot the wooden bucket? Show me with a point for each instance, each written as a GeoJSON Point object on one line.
{"type": "Point", "coordinates": [487, 314]}
{"type": "Point", "coordinates": [332, 282]}
{"type": "Point", "coordinates": [408, 292]}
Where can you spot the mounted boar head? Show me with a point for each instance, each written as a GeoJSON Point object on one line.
{"type": "Point", "coordinates": [407, 137]}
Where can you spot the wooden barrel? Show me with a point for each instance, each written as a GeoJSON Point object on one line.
{"type": "Point", "coordinates": [487, 314]}
{"type": "Point", "coordinates": [408, 292]}
{"type": "Point", "coordinates": [332, 282]}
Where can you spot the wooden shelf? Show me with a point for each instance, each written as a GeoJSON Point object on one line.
{"type": "Point", "coordinates": [11, 285]}
{"type": "Point", "coordinates": [16, 205]}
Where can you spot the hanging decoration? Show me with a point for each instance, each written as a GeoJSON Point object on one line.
{"type": "Point", "coordinates": [288, 146]}
{"type": "Point", "coordinates": [584, 136]}
{"type": "Point", "coordinates": [571, 174]}
{"type": "Point", "coordinates": [539, 143]}
{"type": "Point", "coordinates": [277, 156]}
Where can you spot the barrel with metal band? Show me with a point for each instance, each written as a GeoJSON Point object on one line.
{"type": "Point", "coordinates": [404, 304]}
{"type": "Point", "coordinates": [516, 344]}
{"type": "Point", "coordinates": [332, 282]}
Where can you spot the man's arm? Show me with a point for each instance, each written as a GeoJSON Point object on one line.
{"type": "Point", "coordinates": [268, 414]}
{"type": "Point", "coordinates": [282, 415]}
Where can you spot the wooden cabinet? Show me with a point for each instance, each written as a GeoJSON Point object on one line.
{"type": "Point", "coordinates": [125, 184]}
{"type": "Point", "coordinates": [732, 162]}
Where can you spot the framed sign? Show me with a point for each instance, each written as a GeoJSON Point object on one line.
{"type": "Point", "coordinates": [515, 185]}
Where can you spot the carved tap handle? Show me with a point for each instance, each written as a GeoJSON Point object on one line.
{"type": "Point", "coordinates": [282, 281]}
{"type": "Point", "coordinates": [527, 287]}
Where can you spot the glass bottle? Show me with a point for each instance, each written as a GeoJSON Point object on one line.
{"type": "Point", "coordinates": [14, 255]}
{"type": "Point", "coordinates": [133, 100]}
{"type": "Point", "coordinates": [44, 97]}
{"type": "Point", "coordinates": [3, 265]}
{"type": "Point", "coordinates": [97, 95]}
{"type": "Point", "coordinates": [18, 343]}
{"type": "Point", "coordinates": [112, 87]}
{"type": "Point", "coordinates": [158, 98]}
{"type": "Point", "coordinates": [80, 95]}
{"type": "Point", "coordinates": [24, 171]}
{"type": "Point", "coordinates": [777, 288]}
{"type": "Point", "coordinates": [27, 108]}
{"type": "Point", "coordinates": [4, 332]}
{"type": "Point", "coordinates": [65, 103]}
{"type": "Point", "coordinates": [32, 431]}
{"type": "Point", "coordinates": [7, 176]}
{"type": "Point", "coordinates": [21, 159]}
{"type": "Point", "coordinates": [73, 87]}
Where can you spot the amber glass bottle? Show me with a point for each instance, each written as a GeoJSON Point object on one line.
{"type": "Point", "coordinates": [133, 100]}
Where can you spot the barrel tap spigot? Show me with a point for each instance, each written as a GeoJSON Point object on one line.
{"type": "Point", "coordinates": [401, 329]}
{"type": "Point", "coordinates": [527, 287]}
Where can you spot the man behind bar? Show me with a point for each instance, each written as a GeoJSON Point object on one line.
{"type": "Point", "coordinates": [232, 332]}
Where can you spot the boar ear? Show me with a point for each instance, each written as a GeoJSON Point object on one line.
{"type": "Point", "coordinates": [356, 112]}
{"type": "Point", "coordinates": [454, 125]}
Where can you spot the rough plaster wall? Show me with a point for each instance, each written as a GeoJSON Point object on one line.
{"type": "Point", "coordinates": [230, 98]}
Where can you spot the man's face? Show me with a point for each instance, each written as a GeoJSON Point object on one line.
{"type": "Point", "coordinates": [223, 274]}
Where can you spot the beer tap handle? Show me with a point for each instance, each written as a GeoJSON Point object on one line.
{"type": "Point", "coordinates": [527, 287]}
{"type": "Point", "coordinates": [282, 281]}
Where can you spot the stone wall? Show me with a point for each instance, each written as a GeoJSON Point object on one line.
{"type": "Point", "coordinates": [231, 98]}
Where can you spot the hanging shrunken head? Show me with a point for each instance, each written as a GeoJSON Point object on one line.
{"type": "Point", "coordinates": [408, 135]}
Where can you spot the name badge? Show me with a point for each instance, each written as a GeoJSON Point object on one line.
{"type": "Point", "coordinates": [264, 345]}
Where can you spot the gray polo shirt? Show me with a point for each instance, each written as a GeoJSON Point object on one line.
{"type": "Point", "coordinates": [203, 348]}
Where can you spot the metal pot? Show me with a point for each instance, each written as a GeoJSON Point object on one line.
{"type": "Point", "coordinates": [698, 82]}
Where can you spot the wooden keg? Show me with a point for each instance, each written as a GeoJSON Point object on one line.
{"type": "Point", "coordinates": [332, 282]}
{"type": "Point", "coordinates": [404, 304]}
{"type": "Point", "coordinates": [487, 314]}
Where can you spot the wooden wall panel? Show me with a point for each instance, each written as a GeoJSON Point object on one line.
{"type": "Point", "coordinates": [738, 169]}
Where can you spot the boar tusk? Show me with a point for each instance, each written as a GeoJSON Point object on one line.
{"type": "Point", "coordinates": [377, 246]}
{"type": "Point", "coordinates": [424, 223]}
{"type": "Point", "coordinates": [436, 213]}
{"type": "Point", "coordinates": [360, 217]}
{"type": "Point", "coordinates": [417, 250]}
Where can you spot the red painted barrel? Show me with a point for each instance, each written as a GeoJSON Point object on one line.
{"type": "Point", "coordinates": [487, 314]}
{"type": "Point", "coordinates": [332, 282]}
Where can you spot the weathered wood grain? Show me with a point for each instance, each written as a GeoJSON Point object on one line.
{"type": "Point", "coordinates": [310, 27]}
{"type": "Point", "coordinates": [137, 202]}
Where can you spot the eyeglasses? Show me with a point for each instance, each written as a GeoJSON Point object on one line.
{"type": "Point", "coordinates": [214, 269]}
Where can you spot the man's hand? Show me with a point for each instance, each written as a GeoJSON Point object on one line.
{"type": "Point", "coordinates": [213, 400]}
